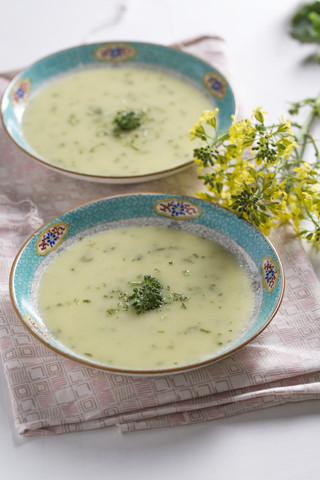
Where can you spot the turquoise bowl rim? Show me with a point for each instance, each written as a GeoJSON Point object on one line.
{"type": "Point", "coordinates": [212, 216]}
{"type": "Point", "coordinates": [77, 56]}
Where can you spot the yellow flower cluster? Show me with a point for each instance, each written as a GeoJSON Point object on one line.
{"type": "Point", "coordinates": [256, 171]}
{"type": "Point", "coordinates": [209, 118]}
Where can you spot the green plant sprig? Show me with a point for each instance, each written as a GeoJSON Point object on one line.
{"type": "Point", "coordinates": [305, 24]}
{"type": "Point", "coordinates": [147, 294]}
{"type": "Point", "coordinates": [258, 170]}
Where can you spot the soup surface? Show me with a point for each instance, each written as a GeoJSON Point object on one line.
{"type": "Point", "coordinates": [84, 297]}
{"type": "Point", "coordinates": [114, 121]}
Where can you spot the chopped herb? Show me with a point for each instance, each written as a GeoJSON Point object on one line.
{"type": "Point", "coordinates": [86, 259]}
{"type": "Point", "coordinates": [137, 258]}
{"type": "Point", "coordinates": [196, 328]}
{"type": "Point", "coordinates": [112, 311]}
{"type": "Point", "coordinates": [95, 111]}
{"type": "Point", "coordinates": [191, 329]}
{"type": "Point", "coordinates": [188, 260]}
{"type": "Point", "coordinates": [128, 120]}
{"type": "Point", "coordinates": [147, 296]}
{"type": "Point", "coordinates": [102, 132]}
{"type": "Point", "coordinates": [123, 303]}
{"type": "Point", "coordinates": [177, 297]}
{"type": "Point", "coordinates": [86, 300]}
{"type": "Point", "coordinates": [73, 120]}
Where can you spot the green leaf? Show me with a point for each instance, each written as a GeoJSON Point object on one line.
{"type": "Point", "coordinates": [305, 24]}
{"type": "Point", "coordinates": [314, 17]}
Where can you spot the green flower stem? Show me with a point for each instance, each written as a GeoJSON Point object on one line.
{"type": "Point", "coordinates": [305, 129]}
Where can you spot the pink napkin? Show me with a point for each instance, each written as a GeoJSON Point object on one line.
{"type": "Point", "coordinates": [51, 394]}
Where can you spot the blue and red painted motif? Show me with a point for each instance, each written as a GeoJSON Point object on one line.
{"type": "Point", "coordinates": [20, 91]}
{"type": "Point", "coordinates": [115, 52]}
{"type": "Point", "coordinates": [51, 238]}
{"type": "Point", "coordinates": [180, 209]}
{"type": "Point", "coordinates": [270, 273]}
{"type": "Point", "coordinates": [215, 84]}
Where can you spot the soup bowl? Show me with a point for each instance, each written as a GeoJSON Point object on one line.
{"type": "Point", "coordinates": [178, 214]}
{"type": "Point", "coordinates": [75, 157]}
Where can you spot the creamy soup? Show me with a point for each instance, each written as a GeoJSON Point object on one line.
{"type": "Point", "coordinates": [114, 121]}
{"type": "Point", "coordinates": [84, 297]}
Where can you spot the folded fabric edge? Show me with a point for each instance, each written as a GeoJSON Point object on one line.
{"type": "Point", "coordinates": [187, 411]}
{"type": "Point", "coordinates": [213, 413]}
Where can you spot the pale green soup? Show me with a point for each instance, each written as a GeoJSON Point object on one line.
{"type": "Point", "coordinates": [208, 298]}
{"type": "Point", "coordinates": [70, 123]}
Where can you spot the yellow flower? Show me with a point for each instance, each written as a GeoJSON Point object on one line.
{"type": "Point", "coordinates": [285, 127]}
{"type": "Point", "coordinates": [285, 146]}
{"type": "Point", "coordinates": [241, 135]}
{"type": "Point", "coordinates": [197, 131]}
{"type": "Point", "coordinates": [266, 227]}
{"type": "Point", "coordinates": [209, 116]}
{"type": "Point", "coordinates": [259, 115]}
{"type": "Point", "coordinates": [252, 172]}
{"type": "Point", "coordinates": [304, 171]}
{"type": "Point", "coordinates": [204, 196]}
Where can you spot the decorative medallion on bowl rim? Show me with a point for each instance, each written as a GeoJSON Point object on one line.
{"type": "Point", "coordinates": [178, 209]}
{"type": "Point", "coordinates": [21, 91]}
{"type": "Point", "coordinates": [51, 238]}
{"type": "Point", "coordinates": [270, 273]}
{"type": "Point", "coordinates": [115, 52]}
{"type": "Point", "coordinates": [215, 84]}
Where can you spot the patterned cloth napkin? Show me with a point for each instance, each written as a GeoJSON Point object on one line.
{"type": "Point", "coordinates": [51, 394]}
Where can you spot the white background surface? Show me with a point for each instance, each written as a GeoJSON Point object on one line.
{"type": "Point", "coordinates": [269, 69]}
